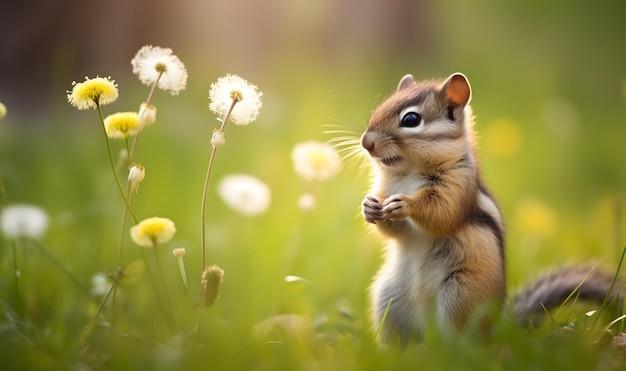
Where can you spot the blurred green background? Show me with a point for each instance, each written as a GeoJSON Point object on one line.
{"type": "Point", "coordinates": [549, 94]}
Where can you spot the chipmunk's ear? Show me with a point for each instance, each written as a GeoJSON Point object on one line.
{"type": "Point", "coordinates": [405, 82]}
{"type": "Point", "coordinates": [457, 89]}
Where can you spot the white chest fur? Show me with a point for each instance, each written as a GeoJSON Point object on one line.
{"type": "Point", "coordinates": [413, 280]}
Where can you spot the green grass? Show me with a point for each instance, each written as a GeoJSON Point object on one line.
{"type": "Point", "coordinates": [316, 320]}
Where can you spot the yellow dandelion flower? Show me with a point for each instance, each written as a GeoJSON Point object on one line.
{"type": "Point", "coordinates": [153, 63]}
{"type": "Point", "coordinates": [92, 92]}
{"type": "Point", "coordinates": [315, 160]}
{"type": "Point", "coordinates": [3, 110]}
{"type": "Point", "coordinates": [122, 124]}
{"type": "Point", "coordinates": [152, 231]}
{"type": "Point", "coordinates": [248, 98]}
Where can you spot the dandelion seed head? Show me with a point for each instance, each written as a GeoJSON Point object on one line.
{"type": "Point", "coordinates": [121, 125]}
{"type": "Point", "coordinates": [245, 194]}
{"type": "Point", "coordinates": [23, 221]}
{"type": "Point", "coordinates": [161, 67]}
{"type": "Point", "coordinates": [230, 87]}
{"type": "Point", "coordinates": [91, 92]}
{"type": "Point", "coordinates": [315, 160]}
{"type": "Point", "coordinates": [236, 94]}
{"type": "Point", "coordinates": [152, 231]}
{"type": "Point", "coordinates": [152, 61]}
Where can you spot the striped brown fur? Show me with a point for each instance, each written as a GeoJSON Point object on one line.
{"type": "Point", "coordinates": [445, 252]}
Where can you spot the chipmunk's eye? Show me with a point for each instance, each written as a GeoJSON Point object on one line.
{"type": "Point", "coordinates": [411, 120]}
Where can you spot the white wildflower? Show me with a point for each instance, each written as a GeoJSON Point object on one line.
{"type": "Point", "coordinates": [315, 160]}
{"type": "Point", "coordinates": [23, 221]}
{"type": "Point", "coordinates": [245, 194]}
{"type": "Point", "coordinates": [150, 62]}
{"type": "Point", "coordinates": [248, 98]}
{"type": "Point", "coordinates": [306, 202]}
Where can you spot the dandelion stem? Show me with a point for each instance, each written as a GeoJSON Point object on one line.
{"type": "Point", "coordinates": [183, 274]}
{"type": "Point", "coordinates": [104, 300]}
{"type": "Point", "coordinates": [206, 184]}
{"type": "Point", "coordinates": [123, 227]}
{"type": "Point", "coordinates": [167, 291]}
{"type": "Point", "coordinates": [131, 153]}
{"type": "Point", "coordinates": [128, 147]}
{"type": "Point", "coordinates": [156, 82]}
{"type": "Point", "coordinates": [117, 178]}
{"type": "Point", "coordinates": [154, 285]}
{"type": "Point", "coordinates": [3, 193]}
{"type": "Point", "coordinates": [16, 271]}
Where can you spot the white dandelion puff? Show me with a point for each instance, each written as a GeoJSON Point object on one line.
{"type": "Point", "coordinates": [153, 63]}
{"type": "Point", "coordinates": [306, 202]}
{"type": "Point", "coordinates": [23, 221]}
{"type": "Point", "coordinates": [245, 194]}
{"type": "Point", "coordinates": [229, 87]}
{"type": "Point", "coordinates": [315, 160]}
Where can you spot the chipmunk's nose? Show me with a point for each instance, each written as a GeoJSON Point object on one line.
{"type": "Point", "coordinates": [367, 142]}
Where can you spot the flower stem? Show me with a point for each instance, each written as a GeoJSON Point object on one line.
{"type": "Point", "coordinates": [131, 153]}
{"type": "Point", "coordinates": [206, 185]}
{"type": "Point", "coordinates": [156, 289]}
{"type": "Point", "coordinates": [117, 178]}
{"type": "Point", "coordinates": [104, 300]}
{"type": "Point", "coordinates": [123, 227]}
{"type": "Point", "coordinates": [167, 291]}
{"type": "Point", "coordinates": [16, 272]}
{"type": "Point", "coordinates": [156, 82]}
{"type": "Point", "coordinates": [183, 274]}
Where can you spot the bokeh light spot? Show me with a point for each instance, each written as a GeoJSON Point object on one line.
{"type": "Point", "coordinates": [502, 138]}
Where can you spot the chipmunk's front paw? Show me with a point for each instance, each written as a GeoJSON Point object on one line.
{"type": "Point", "coordinates": [395, 207]}
{"type": "Point", "coordinates": [372, 209]}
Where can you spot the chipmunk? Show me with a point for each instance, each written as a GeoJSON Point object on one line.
{"type": "Point", "coordinates": [445, 251]}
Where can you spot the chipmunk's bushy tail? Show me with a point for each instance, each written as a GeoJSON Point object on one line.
{"type": "Point", "coordinates": [553, 289]}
